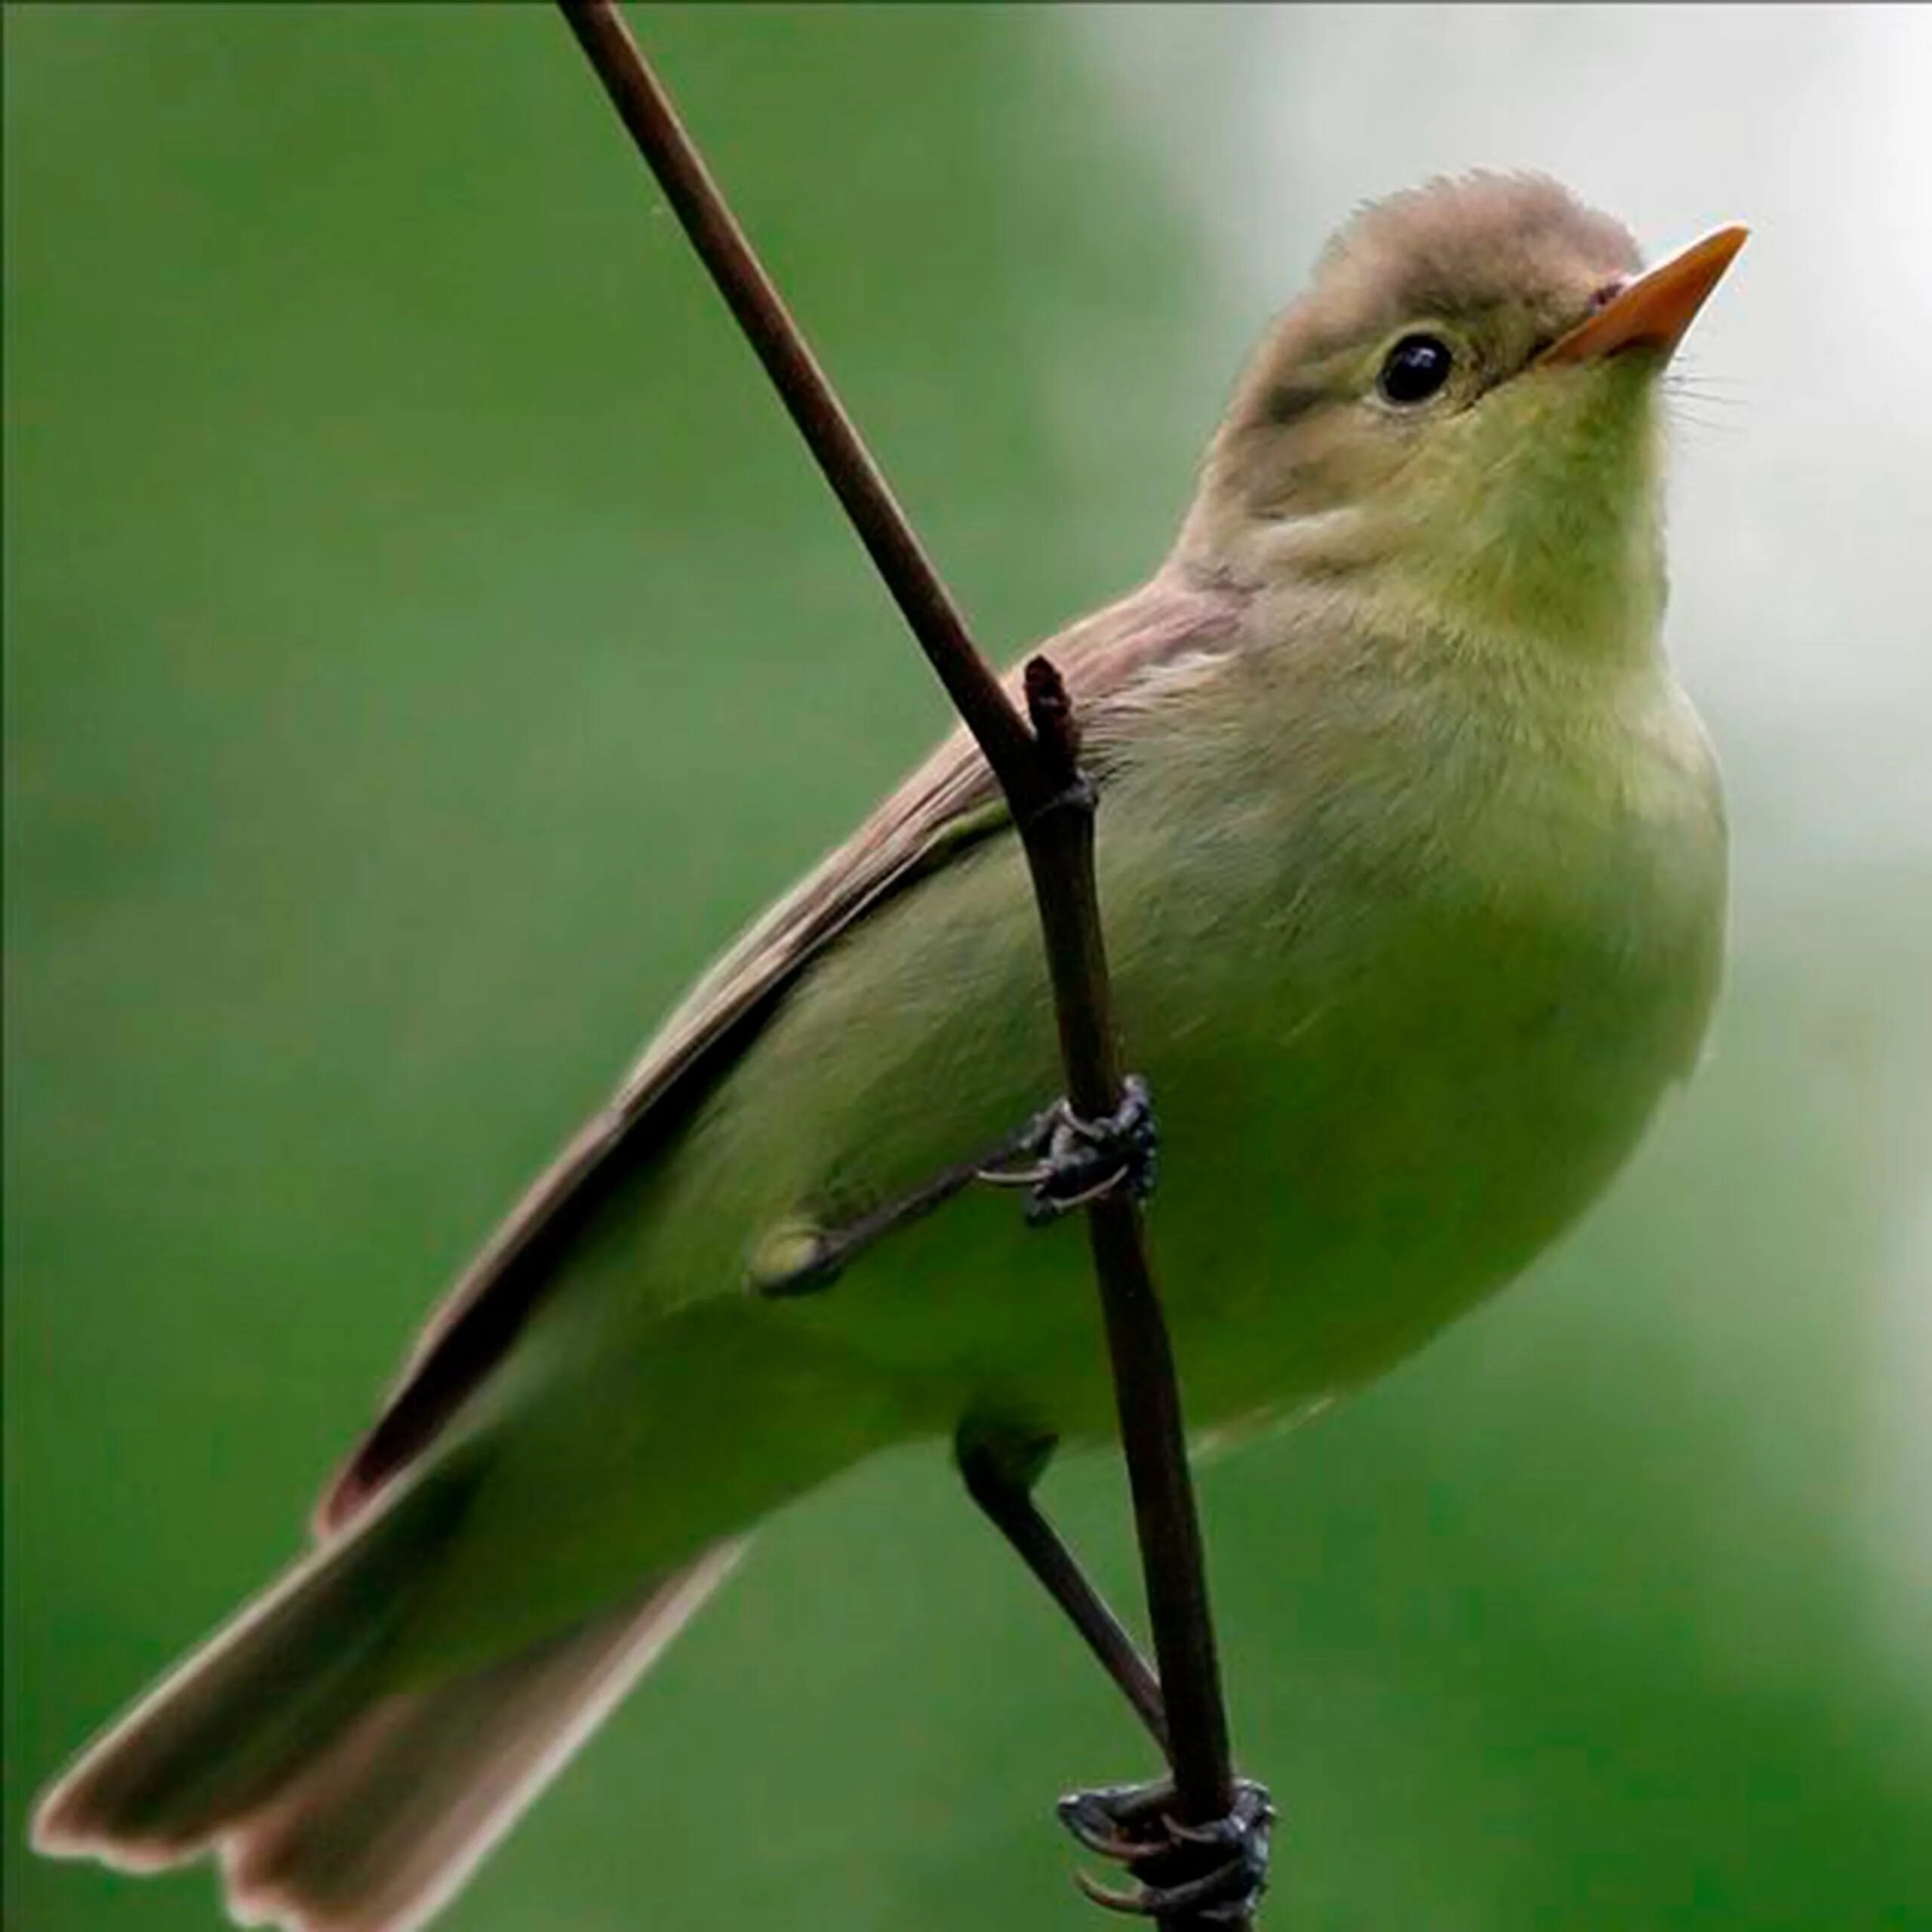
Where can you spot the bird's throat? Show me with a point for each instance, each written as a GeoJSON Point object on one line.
{"type": "Point", "coordinates": [1532, 523]}
{"type": "Point", "coordinates": [1544, 521]}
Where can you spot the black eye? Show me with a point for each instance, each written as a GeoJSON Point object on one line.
{"type": "Point", "coordinates": [1416, 368]}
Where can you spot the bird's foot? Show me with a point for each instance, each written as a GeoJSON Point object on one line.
{"type": "Point", "coordinates": [1061, 1161]}
{"type": "Point", "coordinates": [1212, 1873]}
{"type": "Point", "coordinates": [1064, 1162]}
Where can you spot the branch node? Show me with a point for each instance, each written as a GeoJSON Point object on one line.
{"type": "Point", "coordinates": [1060, 785]}
{"type": "Point", "coordinates": [1050, 710]}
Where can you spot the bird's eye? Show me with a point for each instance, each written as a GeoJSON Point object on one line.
{"type": "Point", "coordinates": [1415, 369]}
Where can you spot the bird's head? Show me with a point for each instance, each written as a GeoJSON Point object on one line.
{"type": "Point", "coordinates": [1461, 414]}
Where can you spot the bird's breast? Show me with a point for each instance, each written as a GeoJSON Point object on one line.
{"type": "Point", "coordinates": [1405, 984]}
{"type": "Point", "coordinates": [1407, 1003]}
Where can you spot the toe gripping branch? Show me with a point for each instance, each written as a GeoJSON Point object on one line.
{"type": "Point", "coordinates": [1208, 1875]}
{"type": "Point", "coordinates": [1063, 1161]}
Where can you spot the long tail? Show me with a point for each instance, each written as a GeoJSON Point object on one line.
{"type": "Point", "coordinates": [337, 1803]}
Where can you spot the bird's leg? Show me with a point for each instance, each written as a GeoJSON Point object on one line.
{"type": "Point", "coordinates": [1061, 1161]}
{"type": "Point", "coordinates": [1000, 1467]}
{"type": "Point", "coordinates": [803, 1258]}
{"type": "Point", "coordinates": [1208, 1874]}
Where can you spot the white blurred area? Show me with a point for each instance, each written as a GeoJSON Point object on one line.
{"type": "Point", "coordinates": [1801, 620]}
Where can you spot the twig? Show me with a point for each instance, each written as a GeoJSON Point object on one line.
{"type": "Point", "coordinates": [1036, 765]}
{"type": "Point", "coordinates": [1059, 850]}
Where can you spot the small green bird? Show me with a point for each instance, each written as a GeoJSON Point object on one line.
{"type": "Point", "coordinates": [1412, 856]}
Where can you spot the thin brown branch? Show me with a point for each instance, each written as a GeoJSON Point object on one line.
{"type": "Point", "coordinates": [1059, 850]}
{"type": "Point", "coordinates": [645, 110]}
{"type": "Point", "coordinates": [1037, 764]}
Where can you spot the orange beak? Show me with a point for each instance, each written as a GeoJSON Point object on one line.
{"type": "Point", "coordinates": [1654, 310]}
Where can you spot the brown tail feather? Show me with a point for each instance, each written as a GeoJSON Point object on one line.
{"type": "Point", "coordinates": [385, 1827]}
{"type": "Point", "coordinates": [337, 1807]}
{"type": "Point", "coordinates": [225, 1730]}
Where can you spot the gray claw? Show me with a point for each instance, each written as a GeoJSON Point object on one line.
{"type": "Point", "coordinates": [1103, 1820]}
{"type": "Point", "coordinates": [1133, 1824]}
{"type": "Point", "coordinates": [1064, 1162]}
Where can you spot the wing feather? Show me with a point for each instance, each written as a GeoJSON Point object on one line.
{"type": "Point", "coordinates": [1112, 662]}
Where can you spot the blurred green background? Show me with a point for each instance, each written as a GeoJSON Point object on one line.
{"type": "Point", "coordinates": [424, 643]}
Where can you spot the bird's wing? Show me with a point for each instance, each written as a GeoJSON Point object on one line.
{"type": "Point", "coordinates": [1114, 664]}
